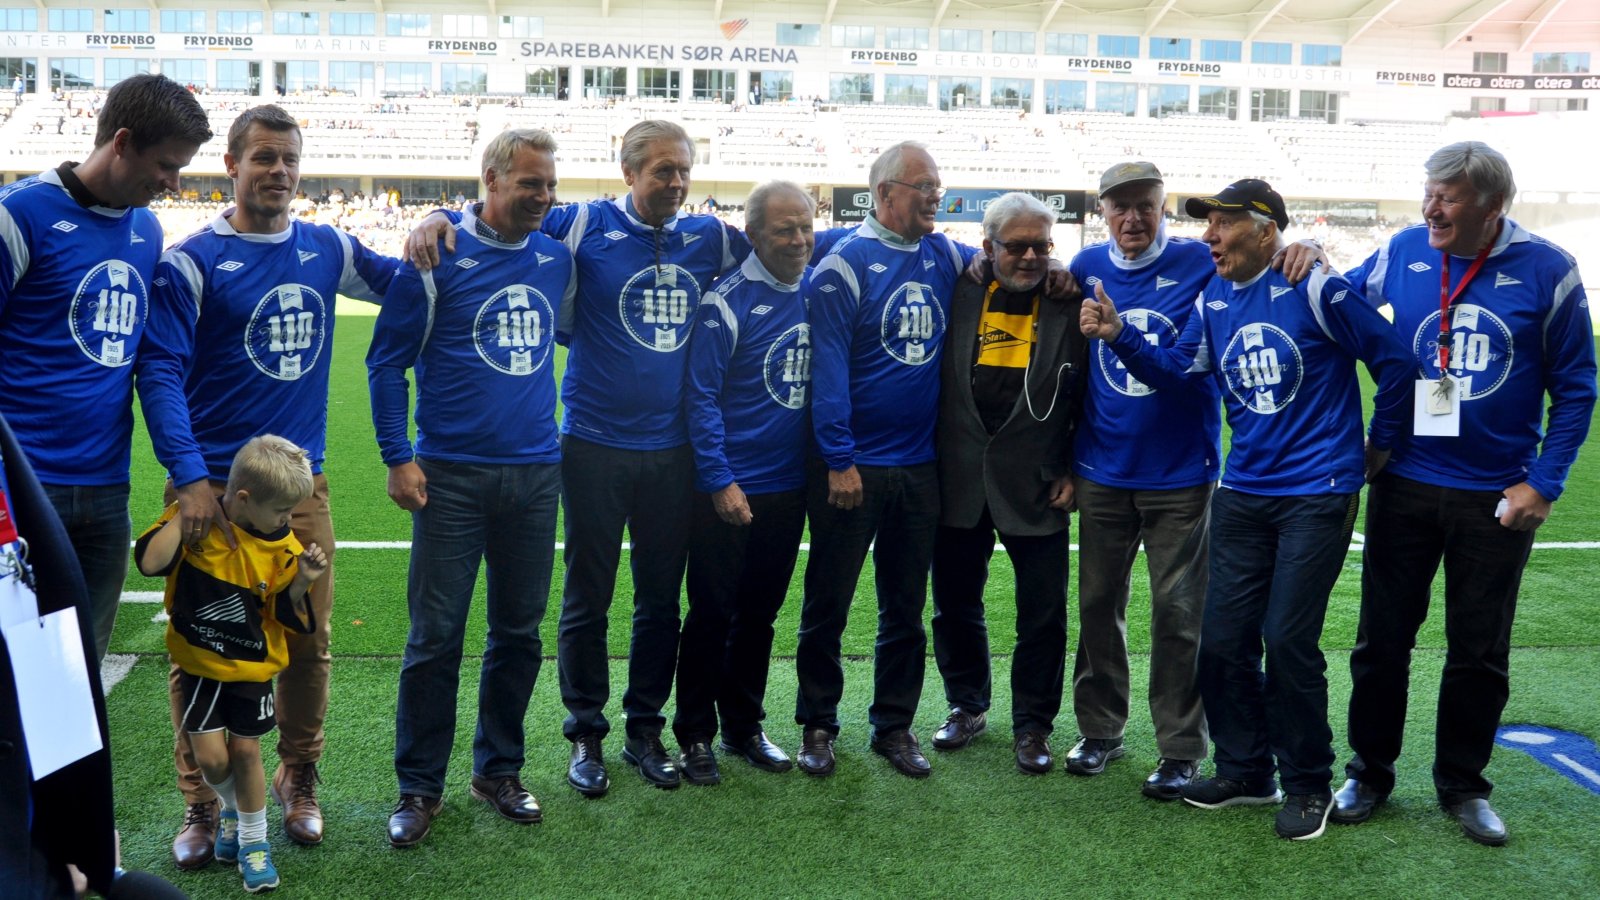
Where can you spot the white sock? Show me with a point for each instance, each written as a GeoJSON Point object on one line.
{"type": "Point", "coordinates": [252, 827]}
{"type": "Point", "coordinates": [224, 789]}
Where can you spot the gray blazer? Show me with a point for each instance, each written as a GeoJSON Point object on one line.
{"type": "Point", "coordinates": [1010, 470]}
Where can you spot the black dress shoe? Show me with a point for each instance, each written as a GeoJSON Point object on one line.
{"type": "Point", "coordinates": [508, 798]}
{"type": "Point", "coordinates": [412, 818]}
{"type": "Point", "coordinates": [903, 752]}
{"type": "Point", "coordinates": [959, 729]}
{"type": "Point", "coordinates": [587, 770]}
{"type": "Point", "coordinates": [1090, 755]}
{"type": "Point", "coordinates": [1033, 753]}
{"type": "Point", "coordinates": [1479, 822]}
{"type": "Point", "coordinates": [1167, 781]}
{"type": "Point", "coordinates": [1354, 803]}
{"type": "Point", "coordinates": [698, 764]}
{"type": "Point", "coordinates": [653, 761]}
{"type": "Point", "coordinates": [760, 752]}
{"type": "Point", "coordinates": [816, 752]}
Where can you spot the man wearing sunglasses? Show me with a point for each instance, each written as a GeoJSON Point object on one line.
{"type": "Point", "coordinates": [1010, 387]}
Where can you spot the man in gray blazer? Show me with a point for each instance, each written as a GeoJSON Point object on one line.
{"type": "Point", "coordinates": [1011, 380]}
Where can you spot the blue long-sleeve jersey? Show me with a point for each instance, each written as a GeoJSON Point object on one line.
{"type": "Point", "coordinates": [1284, 358]}
{"type": "Point", "coordinates": [74, 314]}
{"type": "Point", "coordinates": [879, 309]}
{"type": "Point", "coordinates": [1520, 330]}
{"type": "Point", "coordinates": [1134, 436]}
{"type": "Point", "coordinates": [478, 330]}
{"type": "Point", "coordinates": [628, 329]}
{"type": "Point", "coordinates": [749, 384]}
{"type": "Point", "coordinates": [246, 326]}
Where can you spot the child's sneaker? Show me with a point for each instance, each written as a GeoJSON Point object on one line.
{"type": "Point", "coordinates": [255, 861]}
{"type": "Point", "coordinates": [227, 846]}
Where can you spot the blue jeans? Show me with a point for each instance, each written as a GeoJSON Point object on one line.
{"type": "Point", "coordinates": [898, 515]}
{"type": "Point", "coordinates": [1274, 561]}
{"type": "Point", "coordinates": [505, 515]}
{"type": "Point", "coordinates": [650, 492]}
{"type": "Point", "coordinates": [97, 523]}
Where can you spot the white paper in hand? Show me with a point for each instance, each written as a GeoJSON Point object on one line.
{"type": "Point", "coordinates": [53, 694]}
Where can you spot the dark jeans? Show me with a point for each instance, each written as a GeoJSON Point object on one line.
{"type": "Point", "coordinates": [603, 489]}
{"type": "Point", "coordinates": [900, 508]}
{"type": "Point", "coordinates": [97, 523]}
{"type": "Point", "coordinates": [505, 515]}
{"type": "Point", "coordinates": [961, 638]}
{"type": "Point", "coordinates": [738, 580]}
{"type": "Point", "coordinates": [1274, 561]}
{"type": "Point", "coordinates": [1411, 526]}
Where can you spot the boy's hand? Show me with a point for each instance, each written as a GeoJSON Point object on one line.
{"type": "Point", "coordinates": [313, 563]}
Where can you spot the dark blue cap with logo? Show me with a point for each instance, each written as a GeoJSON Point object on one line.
{"type": "Point", "coordinates": [1249, 195]}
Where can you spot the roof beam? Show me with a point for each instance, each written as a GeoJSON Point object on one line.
{"type": "Point", "coordinates": [716, 13]}
{"type": "Point", "coordinates": [605, 8]}
{"type": "Point", "coordinates": [1541, 18]}
{"type": "Point", "coordinates": [1473, 17]}
{"type": "Point", "coordinates": [1044, 23]}
{"type": "Point", "coordinates": [1156, 14]}
{"type": "Point", "coordinates": [1367, 16]}
{"type": "Point", "coordinates": [938, 15]}
{"type": "Point", "coordinates": [1264, 12]}
{"type": "Point", "coordinates": [827, 17]}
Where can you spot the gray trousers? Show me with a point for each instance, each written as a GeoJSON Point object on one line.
{"type": "Point", "coordinates": [1111, 524]}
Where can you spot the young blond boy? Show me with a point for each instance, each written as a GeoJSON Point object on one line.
{"type": "Point", "coordinates": [228, 608]}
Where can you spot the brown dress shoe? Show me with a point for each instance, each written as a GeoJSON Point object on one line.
{"type": "Point", "coordinates": [508, 797]}
{"type": "Point", "coordinates": [295, 789]}
{"type": "Point", "coordinates": [196, 840]}
{"type": "Point", "coordinates": [412, 818]}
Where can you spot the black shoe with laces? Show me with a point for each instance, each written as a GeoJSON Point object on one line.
{"type": "Point", "coordinates": [1304, 816]}
{"type": "Point", "coordinates": [653, 761]}
{"type": "Point", "coordinates": [1215, 793]}
{"type": "Point", "coordinates": [1167, 781]}
{"type": "Point", "coordinates": [587, 770]}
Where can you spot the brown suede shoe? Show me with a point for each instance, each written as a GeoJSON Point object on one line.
{"type": "Point", "coordinates": [195, 844]}
{"type": "Point", "coordinates": [295, 789]}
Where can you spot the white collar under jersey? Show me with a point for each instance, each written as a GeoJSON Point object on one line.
{"type": "Point", "coordinates": [881, 232]}
{"type": "Point", "coordinates": [1149, 255]}
{"type": "Point", "coordinates": [625, 204]}
{"type": "Point", "coordinates": [223, 225]}
{"type": "Point", "coordinates": [51, 176]}
{"type": "Point", "coordinates": [755, 270]}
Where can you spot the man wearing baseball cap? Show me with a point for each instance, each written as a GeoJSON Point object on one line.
{"type": "Point", "coordinates": [1283, 355]}
{"type": "Point", "coordinates": [1144, 465]}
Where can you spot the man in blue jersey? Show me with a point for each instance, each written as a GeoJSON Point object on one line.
{"type": "Point", "coordinates": [1478, 478]}
{"type": "Point", "coordinates": [483, 479]}
{"type": "Point", "coordinates": [1145, 462]}
{"type": "Point", "coordinates": [1011, 383]}
{"type": "Point", "coordinates": [78, 252]}
{"type": "Point", "coordinates": [1284, 357]}
{"type": "Point", "coordinates": [747, 400]}
{"type": "Point", "coordinates": [878, 306]}
{"type": "Point", "coordinates": [625, 458]}
{"type": "Point", "coordinates": [244, 329]}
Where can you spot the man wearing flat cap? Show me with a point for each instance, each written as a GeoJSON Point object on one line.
{"type": "Point", "coordinates": [1284, 357]}
{"type": "Point", "coordinates": [1144, 465]}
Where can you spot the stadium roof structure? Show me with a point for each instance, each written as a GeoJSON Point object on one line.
{"type": "Point", "coordinates": [1520, 22]}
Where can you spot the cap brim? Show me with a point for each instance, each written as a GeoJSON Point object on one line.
{"type": "Point", "coordinates": [1147, 180]}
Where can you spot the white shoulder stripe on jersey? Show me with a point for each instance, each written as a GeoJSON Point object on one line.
{"type": "Point", "coordinates": [728, 261]}
{"type": "Point", "coordinates": [16, 247]}
{"type": "Point", "coordinates": [724, 312]}
{"type": "Point", "coordinates": [1202, 353]}
{"type": "Point", "coordinates": [580, 224]}
{"type": "Point", "coordinates": [183, 264]}
{"type": "Point", "coordinates": [1314, 285]}
{"type": "Point", "coordinates": [1374, 285]}
{"type": "Point", "coordinates": [1558, 298]}
{"type": "Point", "coordinates": [431, 290]}
{"type": "Point", "coordinates": [955, 254]}
{"type": "Point", "coordinates": [833, 262]}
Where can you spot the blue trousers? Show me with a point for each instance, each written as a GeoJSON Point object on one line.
{"type": "Point", "coordinates": [97, 523]}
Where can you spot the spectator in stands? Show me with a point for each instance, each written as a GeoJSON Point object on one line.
{"type": "Point", "coordinates": [1010, 390]}
{"type": "Point", "coordinates": [86, 239]}
{"type": "Point", "coordinates": [1480, 476]}
{"type": "Point", "coordinates": [478, 484]}
{"type": "Point", "coordinates": [747, 397]}
{"type": "Point", "coordinates": [1282, 518]}
{"type": "Point", "coordinates": [257, 336]}
{"type": "Point", "coordinates": [1145, 461]}
{"type": "Point", "coordinates": [16, 89]}
{"type": "Point", "coordinates": [626, 460]}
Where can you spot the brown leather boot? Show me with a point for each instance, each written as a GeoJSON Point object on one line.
{"type": "Point", "coordinates": [295, 789]}
{"type": "Point", "coordinates": [196, 840]}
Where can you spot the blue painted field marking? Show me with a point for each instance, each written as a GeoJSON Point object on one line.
{"type": "Point", "coordinates": [1572, 755]}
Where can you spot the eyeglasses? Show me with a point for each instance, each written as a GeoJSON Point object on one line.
{"type": "Point", "coordinates": [1021, 248]}
{"type": "Point", "coordinates": [925, 188]}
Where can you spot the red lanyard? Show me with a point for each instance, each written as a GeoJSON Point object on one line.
{"type": "Point", "coordinates": [1447, 298]}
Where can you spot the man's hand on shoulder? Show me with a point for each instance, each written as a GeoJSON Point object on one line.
{"type": "Point", "coordinates": [1296, 260]}
{"type": "Point", "coordinates": [199, 512]}
{"type": "Point", "coordinates": [1059, 283]}
{"type": "Point", "coordinates": [422, 244]}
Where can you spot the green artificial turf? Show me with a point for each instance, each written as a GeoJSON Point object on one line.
{"type": "Point", "coordinates": [976, 828]}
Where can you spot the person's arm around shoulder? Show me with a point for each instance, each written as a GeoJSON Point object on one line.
{"type": "Point", "coordinates": [422, 244]}
{"type": "Point", "coordinates": [1357, 326]}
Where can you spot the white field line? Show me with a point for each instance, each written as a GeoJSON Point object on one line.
{"type": "Point", "coordinates": [115, 667]}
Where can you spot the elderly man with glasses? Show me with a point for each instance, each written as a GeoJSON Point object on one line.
{"type": "Point", "coordinates": [1010, 386]}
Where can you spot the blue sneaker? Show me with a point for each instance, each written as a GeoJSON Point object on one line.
{"type": "Point", "coordinates": [227, 846]}
{"type": "Point", "coordinates": [255, 861]}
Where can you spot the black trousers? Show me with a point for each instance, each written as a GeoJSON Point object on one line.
{"type": "Point", "coordinates": [1411, 526]}
{"type": "Point", "coordinates": [738, 580]}
{"type": "Point", "coordinates": [961, 639]}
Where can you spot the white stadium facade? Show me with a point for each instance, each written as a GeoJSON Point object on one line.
{"type": "Point", "coordinates": [1336, 102]}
